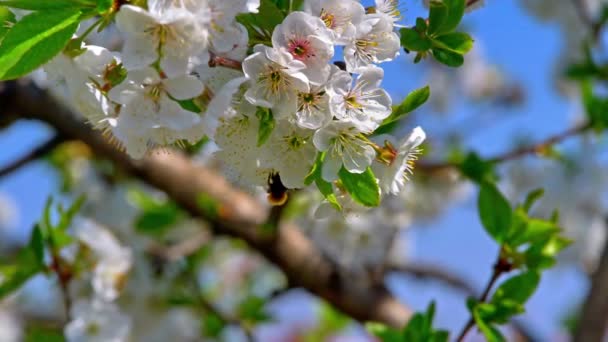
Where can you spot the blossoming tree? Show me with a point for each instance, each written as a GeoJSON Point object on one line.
{"type": "Point", "coordinates": [262, 120]}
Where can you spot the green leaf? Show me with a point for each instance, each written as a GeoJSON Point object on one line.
{"type": "Point", "coordinates": [455, 13]}
{"type": "Point", "coordinates": [29, 262]}
{"type": "Point", "coordinates": [412, 101]}
{"type": "Point", "coordinates": [535, 230]}
{"type": "Point", "coordinates": [542, 254]}
{"type": "Point", "coordinates": [324, 186]}
{"type": "Point", "coordinates": [420, 328]}
{"type": "Point", "coordinates": [362, 187]}
{"type": "Point", "coordinates": [212, 325]}
{"type": "Point", "coordinates": [156, 221]}
{"type": "Point", "coordinates": [447, 57]}
{"type": "Point", "coordinates": [384, 333]}
{"type": "Point", "coordinates": [477, 169]}
{"type": "Point", "coordinates": [414, 40]}
{"type": "Point", "coordinates": [261, 25]}
{"type": "Point", "coordinates": [48, 5]}
{"type": "Point", "coordinates": [437, 16]}
{"type": "Point", "coordinates": [532, 197]}
{"type": "Point", "coordinates": [489, 332]}
{"type": "Point", "coordinates": [267, 124]}
{"type": "Point", "coordinates": [518, 288]}
{"type": "Point", "coordinates": [7, 19]}
{"type": "Point", "coordinates": [494, 211]}
{"type": "Point", "coordinates": [34, 40]}
{"type": "Point", "coordinates": [252, 309]}
{"type": "Point", "coordinates": [458, 42]}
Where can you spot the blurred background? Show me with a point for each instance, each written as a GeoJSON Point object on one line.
{"type": "Point", "coordinates": [510, 92]}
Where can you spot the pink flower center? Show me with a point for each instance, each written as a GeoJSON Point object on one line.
{"type": "Point", "coordinates": [300, 49]}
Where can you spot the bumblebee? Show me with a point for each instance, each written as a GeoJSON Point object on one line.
{"type": "Point", "coordinates": [277, 192]}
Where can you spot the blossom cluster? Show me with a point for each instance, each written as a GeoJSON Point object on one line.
{"type": "Point", "coordinates": [188, 71]}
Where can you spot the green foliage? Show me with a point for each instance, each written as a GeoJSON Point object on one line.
{"type": "Point", "coordinates": [28, 263]}
{"type": "Point", "coordinates": [595, 106]}
{"type": "Point", "coordinates": [324, 186]}
{"type": "Point", "coordinates": [362, 187]}
{"type": "Point", "coordinates": [46, 236]}
{"type": "Point", "coordinates": [438, 36]}
{"type": "Point", "coordinates": [41, 35]}
{"type": "Point", "coordinates": [41, 333]}
{"type": "Point", "coordinates": [412, 101]}
{"type": "Point", "coordinates": [494, 211]}
{"type": "Point", "coordinates": [212, 325]}
{"type": "Point", "coordinates": [419, 329]}
{"type": "Point", "coordinates": [331, 322]}
{"type": "Point", "coordinates": [252, 310]}
{"type": "Point", "coordinates": [477, 169]}
{"type": "Point", "coordinates": [267, 124]}
{"type": "Point", "coordinates": [157, 215]}
{"type": "Point", "coordinates": [7, 19]}
{"type": "Point", "coordinates": [34, 40]}
{"type": "Point", "coordinates": [526, 244]}
{"type": "Point", "coordinates": [260, 25]}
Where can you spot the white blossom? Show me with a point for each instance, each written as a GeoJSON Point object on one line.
{"type": "Point", "coordinates": [308, 40]}
{"type": "Point", "coordinates": [275, 78]}
{"type": "Point", "coordinates": [365, 104]}
{"type": "Point", "coordinates": [345, 146]}
{"type": "Point", "coordinates": [339, 16]}
{"type": "Point", "coordinates": [374, 42]}
{"type": "Point", "coordinates": [97, 321]}
{"type": "Point", "coordinates": [150, 116]}
{"type": "Point", "coordinates": [393, 172]}
{"type": "Point", "coordinates": [172, 34]}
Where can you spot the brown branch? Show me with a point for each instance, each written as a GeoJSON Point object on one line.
{"type": "Point", "coordinates": [237, 214]}
{"type": "Point", "coordinates": [215, 61]}
{"type": "Point", "coordinates": [33, 155]}
{"type": "Point", "coordinates": [593, 321]}
{"type": "Point", "coordinates": [517, 153]}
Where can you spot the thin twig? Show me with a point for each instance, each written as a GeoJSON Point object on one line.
{"type": "Point", "coordinates": [517, 153]}
{"type": "Point", "coordinates": [500, 267]}
{"type": "Point", "coordinates": [455, 281]}
{"type": "Point", "coordinates": [33, 155]}
{"type": "Point", "coordinates": [215, 61]}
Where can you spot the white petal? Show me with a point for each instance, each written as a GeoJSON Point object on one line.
{"type": "Point", "coordinates": [184, 87]}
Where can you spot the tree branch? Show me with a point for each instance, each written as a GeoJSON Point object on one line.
{"type": "Point", "coordinates": [453, 280]}
{"type": "Point", "coordinates": [593, 321]}
{"type": "Point", "coordinates": [237, 213]}
{"type": "Point", "coordinates": [517, 153]}
{"type": "Point", "coordinates": [33, 155]}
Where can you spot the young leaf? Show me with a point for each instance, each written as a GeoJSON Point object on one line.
{"type": "Point", "coordinates": [324, 186]}
{"type": "Point", "coordinates": [412, 101]}
{"type": "Point", "coordinates": [455, 12]}
{"type": "Point", "coordinates": [34, 40]}
{"type": "Point", "coordinates": [384, 333]}
{"type": "Point", "coordinates": [266, 124]}
{"type": "Point", "coordinates": [447, 57]}
{"type": "Point", "coordinates": [7, 19]}
{"type": "Point", "coordinates": [47, 5]}
{"type": "Point", "coordinates": [489, 332]}
{"type": "Point", "coordinates": [362, 187]}
{"type": "Point", "coordinates": [495, 211]}
{"type": "Point", "coordinates": [458, 42]}
{"type": "Point", "coordinates": [518, 288]}
{"type": "Point", "coordinates": [437, 16]}
{"type": "Point", "coordinates": [413, 40]}
{"type": "Point", "coordinates": [532, 197]}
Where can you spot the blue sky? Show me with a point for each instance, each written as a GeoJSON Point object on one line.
{"type": "Point", "coordinates": [521, 46]}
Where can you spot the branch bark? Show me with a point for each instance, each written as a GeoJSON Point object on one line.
{"type": "Point", "coordinates": [593, 321]}
{"type": "Point", "coordinates": [237, 214]}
